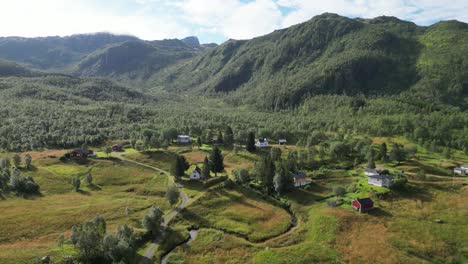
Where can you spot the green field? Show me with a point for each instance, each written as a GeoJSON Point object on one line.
{"type": "Point", "coordinates": [30, 227]}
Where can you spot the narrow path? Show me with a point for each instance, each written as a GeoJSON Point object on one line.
{"type": "Point", "coordinates": [149, 252]}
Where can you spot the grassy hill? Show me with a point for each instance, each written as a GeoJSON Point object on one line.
{"type": "Point", "coordinates": [331, 54]}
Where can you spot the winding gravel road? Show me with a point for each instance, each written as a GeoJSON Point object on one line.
{"type": "Point", "coordinates": [149, 252]}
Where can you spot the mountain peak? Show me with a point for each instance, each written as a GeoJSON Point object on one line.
{"type": "Point", "coordinates": [191, 41]}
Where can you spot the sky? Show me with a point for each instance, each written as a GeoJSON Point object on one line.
{"type": "Point", "coordinates": [210, 20]}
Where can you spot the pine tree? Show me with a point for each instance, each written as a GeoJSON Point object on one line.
{"type": "Point", "coordinates": [27, 161]}
{"type": "Point", "coordinates": [205, 174]}
{"type": "Point", "coordinates": [180, 166]}
{"type": "Point", "coordinates": [383, 152]}
{"type": "Point", "coordinates": [228, 137]}
{"type": "Point", "coordinates": [220, 139]}
{"type": "Point", "coordinates": [250, 147]}
{"type": "Point", "coordinates": [216, 160]}
{"type": "Point", "coordinates": [199, 142]}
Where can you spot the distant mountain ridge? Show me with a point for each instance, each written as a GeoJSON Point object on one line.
{"type": "Point", "coordinates": [331, 54]}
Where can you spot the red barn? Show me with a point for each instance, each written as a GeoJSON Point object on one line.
{"type": "Point", "coordinates": [363, 205]}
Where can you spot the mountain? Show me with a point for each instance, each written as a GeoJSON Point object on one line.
{"type": "Point", "coordinates": [331, 54]}
{"type": "Point", "coordinates": [55, 53]}
{"type": "Point", "coordinates": [134, 60]}
{"type": "Point", "coordinates": [8, 68]}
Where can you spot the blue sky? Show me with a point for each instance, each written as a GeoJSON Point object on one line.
{"type": "Point", "coordinates": [210, 20]}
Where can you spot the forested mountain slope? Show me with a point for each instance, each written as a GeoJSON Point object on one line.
{"type": "Point", "coordinates": [331, 54]}
{"type": "Point", "coordinates": [135, 60]}
{"type": "Point", "coordinates": [55, 53]}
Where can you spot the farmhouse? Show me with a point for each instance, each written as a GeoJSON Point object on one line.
{"type": "Point", "coordinates": [117, 147]}
{"type": "Point", "coordinates": [262, 143]}
{"type": "Point", "coordinates": [362, 205]}
{"type": "Point", "coordinates": [462, 170]}
{"type": "Point", "coordinates": [184, 139]}
{"type": "Point", "coordinates": [81, 153]}
{"type": "Point", "coordinates": [381, 180]}
{"type": "Point", "coordinates": [300, 179]}
{"type": "Point", "coordinates": [195, 174]}
{"type": "Point", "coordinates": [282, 141]}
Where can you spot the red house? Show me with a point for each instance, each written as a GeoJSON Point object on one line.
{"type": "Point", "coordinates": [80, 153]}
{"type": "Point", "coordinates": [363, 205]}
{"type": "Point", "coordinates": [117, 147]}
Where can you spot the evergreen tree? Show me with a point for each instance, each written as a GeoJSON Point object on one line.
{"type": "Point", "coordinates": [228, 137]}
{"type": "Point", "coordinates": [76, 183]}
{"type": "Point", "coordinates": [205, 173]}
{"type": "Point", "coordinates": [397, 154]}
{"type": "Point", "coordinates": [282, 180]}
{"type": "Point", "coordinates": [220, 139]}
{"type": "Point", "coordinates": [250, 147]}
{"type": "Point", "coordinates": [370, 158]}
{"type": "Point", "coordinates": [383, 152]}
{"type": "Point", "coordinates": [199, 142]}
{"type": "Point", "coordinates": [216, 161]}
{"type": "Point", "coordinates": [180, 166]}
{"type": "Point", "coordinates": [265, 172]}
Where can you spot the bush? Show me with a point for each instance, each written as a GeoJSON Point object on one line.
{"type": "Point", "coordinates": [339, 191]}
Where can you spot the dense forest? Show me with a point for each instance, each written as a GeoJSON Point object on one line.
{"type": "Point", "coordinates": [381, 77]}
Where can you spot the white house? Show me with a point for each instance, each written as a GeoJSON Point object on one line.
{"type": "Point", "coordinates": [380, 180]}
{"type": "Point", "coordinates": [282, 141]}
{"type": "Point", "coordinates": [195, 174]}
{"type": "Point", "coordinates": [300, 179]}
{"type": "Point", "coordinates": [184, 139]}
{"type": "Point", "coordinates": [262, 143]}
{"type": "Point", "coordinates": [462, 170]}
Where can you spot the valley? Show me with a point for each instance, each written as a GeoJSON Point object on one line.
{"type": "Point", "coordinates": [336, 140]}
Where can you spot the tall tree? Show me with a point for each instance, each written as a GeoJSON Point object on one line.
{"type": "Point", "coordinates": [282, 180]}
{"type": "Point", "coordinates": [383, 152]}
{"type": "Point", "coordinates": [275, 154]}
{"type": "Point", "coordinates": [199, 142]}
{"type": "Point", "coordinates": [89, 178]}
{"type": "Point", "coordinates": [228, 137]}
{"type": "Point", "coordinates": [152, 221]}
{"type": "Point", "coordinates": [76, 183]}
{"type": "Point", "coordinates": [220, 138]}
{"type": "Point", "coordinates": [397, 154]}
{"type": "Point", "coordinates": [16, 160]}
{"type": "Point", "coordinates": [250, 147]}
{"type": "Point", "coordinates": [216, 160]}
{"type": "Point", "coordinates": [180, 166]}
{"type": "Point", "coordinates": [370, 158]}
{"type": "Point", "coordinates": [205, 174]}
{"type": "Point", "coordinates": [27, 161]}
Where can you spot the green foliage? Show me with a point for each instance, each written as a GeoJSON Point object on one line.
{"type": "Point", "coordinates": [180, 166]}
{"type": "Point", "coordinates": [152, 221]}
{"type": "Point", "coordinates": [339, 191]}
{"type": "Point", "coordinates": [76, 183]}
{"type": "Point", "coordinates": [205, 174]}
{"type": "Point", "coordinates": [88, 237]}
{"type": "Point", "coordinates": [242, 176]}
{"type": "Point", "coordinates": [216, 160]}
{"type": "Point", "coordinates": [172, 194]}
{"type": "Point", "coordinates": [27, 161]}
{"type": "Point", "coordinates": [250, 146]}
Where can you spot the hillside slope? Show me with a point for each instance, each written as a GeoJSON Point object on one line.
{"type": "Point", "coordinates": [55, 53]}
{"type": "Point", "coordinates": [135, 60]}
{"type": "Point", "coordinates": [331, 54]}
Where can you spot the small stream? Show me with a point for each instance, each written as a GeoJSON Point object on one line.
{"type": "Point", "coordinates": [193, 234]}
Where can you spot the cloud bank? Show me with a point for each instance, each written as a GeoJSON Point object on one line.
{"type": "Point", "coordinates": [211, 20]}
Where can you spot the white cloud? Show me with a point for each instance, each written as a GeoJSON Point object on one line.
{"type": "Point", "coordinates": [218, 19]}
{"type": "Point", "coordinates": [33, 18]}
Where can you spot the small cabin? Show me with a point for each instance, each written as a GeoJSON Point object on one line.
{"type": "Point", "coordinates": [380, 180]}
{"type": "Point", "coordinates": [196, 174]}
{"type": "Point", "coordinates": [117, 147]}
{"type": "Point", "coordinates": [363, 205]}
{"type": "Point", "coordinates": [184, 139]}
{"type": "Point", "coordinates": [261, 143]}
{"type": "Point", "coordinates": [81, 153]}
{"type": "Point", "coordinates": [300, 179]}
{"type": "Point", "coordinates": [282, 141]}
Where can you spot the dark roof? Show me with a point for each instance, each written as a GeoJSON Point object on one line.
{"type": "Point", "coordinates": [82, 151]}
{"type": "Point", "coordinates": [197, 169]}
{"type": "Point", "coordinates": [365, 201]}
{"type": "Point", "coordinates": [300, 175]}
{"type": "Point", "coordinates": [261, 140]}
